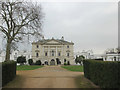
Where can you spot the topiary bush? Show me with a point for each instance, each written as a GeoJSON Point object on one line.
{"type": "Point", "coordinates": [30, 61]}
{"type": "Point", "coordinates": [106, 74]}
{"type": "Point", "coordinates": [65, 63]}
{"type": "Point", "coordinates": [21, 60]}
{"type": "Point", "coordinates": [8, 71]}
{"type": "Point", "coordinates": [38, 62]}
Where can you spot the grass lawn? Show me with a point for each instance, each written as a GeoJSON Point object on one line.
{"type": "Point", "coordinates": [74, 68]}
{"type": "Point", "coordinates": [26, 67]}
{"type": "Point", "coordinates": [83, 82]}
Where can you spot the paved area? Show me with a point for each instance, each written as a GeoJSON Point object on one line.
{"type": "Point", "coordinates": [46, 77]}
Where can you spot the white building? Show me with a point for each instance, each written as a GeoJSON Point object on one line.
{"type": "Point", "coordinates": [2, 56]}
{"type": "Point", "coordinates": [87, 54]}
{"type": "Point", "coordinates": [15, 54]}
{"type": "Point", "coordinates": [98, 56]}
{"type": "Point", "coordinates": [53, 51]}
{"type": "Point", "coordinates": [111, 57]}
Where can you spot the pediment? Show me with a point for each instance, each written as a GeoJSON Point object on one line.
{"type": "Point", "coordinates": [53, 42]}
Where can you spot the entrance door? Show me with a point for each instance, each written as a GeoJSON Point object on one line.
{"type": "Point", "coordinates": [52, 62]}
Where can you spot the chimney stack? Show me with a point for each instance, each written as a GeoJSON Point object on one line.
{"type": "Point", "coordinates": [62, 38]}
{"type": "Point", "coordinates": [42, 37]}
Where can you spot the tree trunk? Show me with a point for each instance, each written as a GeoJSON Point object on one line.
{"type": "Point", "coordinates": [7, 57]}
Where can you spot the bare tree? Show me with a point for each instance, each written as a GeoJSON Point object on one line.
{"type": "Point", "coordinates": [18, 19]}
{"type": "Point", "coordinates": [118, 50]}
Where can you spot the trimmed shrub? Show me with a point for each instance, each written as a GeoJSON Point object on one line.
{"type": "Point", "coordinates": [100, 59]}
{"type": "Point", "coordinates": [106, 74]}
{"type": "Point", "coordinates": [8, 71]}
{"type": "Point", "coordinates": [119, 74]}
{"type": "Point", "coordinates": [30, 61]}
{"type": "Point", "coordinates": [65, 63]}
{"type": "Point", "coordinates": [21, 60]}
{"type": "Point", "coordinates": [38, 62]}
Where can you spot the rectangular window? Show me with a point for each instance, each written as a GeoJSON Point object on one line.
{"type": "Point", "coordinates": [45, 53]}
{"type": "Point", "coordinates": [59, 54]}
{"type": "Point", "coordinates": [37, 54]}
{"type": "Point", "coordinates": [68, 54]}
{"type": "Point", "coordinates": [67, 46]}
{"type": "Point", "coordinates": [64, 60]}
{"type": "Point", "coordinates": [37, 46]}
{"type": "Point", "coordinates": [52, 53]}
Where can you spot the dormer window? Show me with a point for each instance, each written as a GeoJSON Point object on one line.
{"type": "Point", "coordinates": [67, 46]}
{"type": "Point", "coordinates": [37, 46]}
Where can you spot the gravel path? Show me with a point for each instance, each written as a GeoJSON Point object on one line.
{"type": "Point", "coordinates": [46, 77]}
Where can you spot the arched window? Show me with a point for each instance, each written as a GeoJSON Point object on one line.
{"type": "Point", "coordinates": [37, 54]}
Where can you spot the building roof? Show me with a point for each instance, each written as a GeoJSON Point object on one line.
{"type": "Point", "coordinates": [112, 52]}
{"type": "Point", "coordinates": [60, 41]}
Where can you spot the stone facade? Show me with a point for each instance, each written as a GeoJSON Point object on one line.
{"type": "Point", "coordinates": [53, 51]}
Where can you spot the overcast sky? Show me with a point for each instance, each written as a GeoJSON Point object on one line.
{"type": "Point", "coordinates": [90, 25]}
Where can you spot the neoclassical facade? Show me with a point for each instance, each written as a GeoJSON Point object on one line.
{"type": "Point", "coordinates": [53, 51]}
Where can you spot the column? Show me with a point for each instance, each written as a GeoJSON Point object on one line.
{"type": "Point", "coordinates": [48, 51]}
{"type": "Point", "coordinates": [43, 51]}
{"type": "Point", "coordinates": [62, 54]}
{"type": "Point", "coordinates": [56, 51]}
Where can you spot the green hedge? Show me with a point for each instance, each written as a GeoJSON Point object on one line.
{"type": "Point", "coordinates": [8, 71]}
{"type": "Point", "coordinates": [106, 74]}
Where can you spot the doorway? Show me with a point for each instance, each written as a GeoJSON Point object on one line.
{"type": "Point", "coordinates": [52, 62]}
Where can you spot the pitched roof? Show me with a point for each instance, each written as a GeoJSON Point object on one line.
{"type": "Point", "coordinates": [44, 41]}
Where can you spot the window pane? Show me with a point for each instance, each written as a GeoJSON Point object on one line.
{"type": "Point", "coordinates": [37, 46]}
{"type": "Point", "coordinates": [67, 46]}
{"type": "Point", "coordinates": [37, 54]}
{"type": "Point", "coordinates": [46, 54]}
{"type": "Point", "coordinates": [59, 54]}
{"type": "Point", "coordinates": [52, 53]}
{"type": "Point", "coordinates": [67, 54]}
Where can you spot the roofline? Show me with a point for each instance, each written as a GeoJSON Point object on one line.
{"type": "Point", "coordinates": [66, 42]}
{"type": "Point", "coordinates": [52, 44]}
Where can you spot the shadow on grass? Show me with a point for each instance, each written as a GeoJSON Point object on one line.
{"type": "Point", "coordinates": [83, 82]}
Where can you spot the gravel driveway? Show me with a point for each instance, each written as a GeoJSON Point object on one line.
{"type": "Point", "coordinates": [46, 77]}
